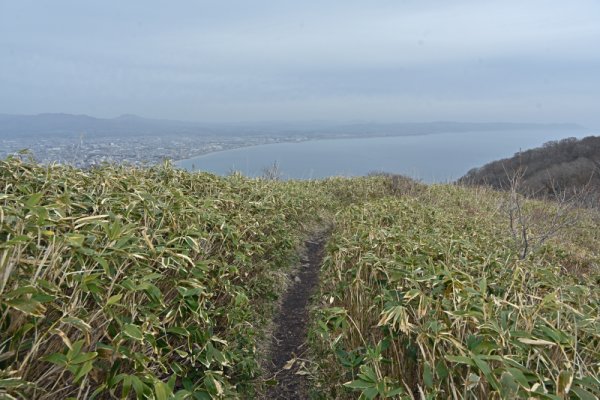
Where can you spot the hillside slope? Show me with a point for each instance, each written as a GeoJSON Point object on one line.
{"type": "Point", "coordinates": [424, 296]}
{"type": "Point", "coordinates": [121, 282]}
{"type": "Point", "coordinates": [565, 165]}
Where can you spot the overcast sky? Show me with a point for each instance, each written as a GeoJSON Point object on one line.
{"type": "Point", "coordinates": [339, 60]}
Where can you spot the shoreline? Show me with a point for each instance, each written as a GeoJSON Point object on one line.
{"type": "Point", "coordinates": [341, 137]}
{"type": "Point", "coordinates": [316, 139]}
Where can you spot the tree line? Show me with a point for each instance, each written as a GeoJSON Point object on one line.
{"type": "Point", "coordinates": [565, 166]}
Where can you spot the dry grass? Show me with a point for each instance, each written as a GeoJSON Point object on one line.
{"type": "Point", "coordinates": [123, 282]}
{"type": "Point", "coordinates": [425, 296]}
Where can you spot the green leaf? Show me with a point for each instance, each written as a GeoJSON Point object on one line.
{"type": "Point", "coordinates": [83, 357]}
{"type": "Point", "coordinates": [114, 299]}
{"type": "Point", "coordinates": [74, 239]}
{"type": "Point", "coordinates": [508, 386]}
{"type": "Point", "coordinates": [541, 395]}
{"type": "Point", "coordinates": [370, 393]}
{"type": "Point", "coordinates": [104, 264]}
{"type": "Point", "coordinates": [126, 387]}
{"type": "Point", "coordinates": [201, 395]}
{"type": "Point", "coordinates": [212, 384]}
{"type": "Point", "coordinates": [56, 358]}
{"type": "Point", "coordinates": [359, 384]}
{"type": "Point", "coordinates": [28, 306]}
{"type": "Point", "coordinates": [395, 392]}
{"type": "Point", "coordinates": [99, 390]}
{"type": "Point", "coordinates": [83, 370]}
{"type": "Point", "coordinates": [178, 331]}
{"type": "Point", "coordinates": [171, 382]}
{"type": "Point", "coordinates": [161, 390]}
{"type": "Point", "coordinates": [43, 297]}
{"type": "Point", "coordinates": [138, 386]}
{"type": "Point", "coordinates": [427, 375]}
{"type": "Point", "coordinates": [461, 360]}
{"type": "Point", "coordinates": [185, 292]}
{"type": "Point", "coordinates": [13, 382]}
{"type": "Point", "coordinates": [75, 349]}
{"type": "Point", "coordinates": [133, 331]}
{"type": "Point", "coordinates": [487, 372]}
{"type": "Point", "coordinates": [33, 200]}
{"type": "Point", "coordinates": [519, 377]}
{"type": "Point", "coordinates": [17, 293]}
{"type": "Point", "coordinates": [367, 374]}
{"type": "Point", "coordinates": [583, 394]}
{"type": "Point", "coordinates": [441, 370]}
{"type": "Point", "coordinates": [183, 394]}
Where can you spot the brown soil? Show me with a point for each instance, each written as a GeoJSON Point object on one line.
{"type": "Point", "coordinates": [290, 326]}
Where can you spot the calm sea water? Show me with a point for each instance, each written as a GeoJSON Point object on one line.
{"type": "Point", "coordinates": [431, 158]}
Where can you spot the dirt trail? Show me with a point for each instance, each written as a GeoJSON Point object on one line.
{"type": "Point", "coordinates": [291, 321]}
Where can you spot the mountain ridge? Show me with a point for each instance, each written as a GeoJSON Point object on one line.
{"type": "Point", "coordinates": [134, 125]}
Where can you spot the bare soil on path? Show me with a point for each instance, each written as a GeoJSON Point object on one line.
{"type": "Point", "coordinates": [291, 324]}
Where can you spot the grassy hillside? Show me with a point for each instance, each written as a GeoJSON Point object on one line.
{"type": "Point", "coordinates": [425, 296]}
{"type": "Point", "coordinates": [156, 283]}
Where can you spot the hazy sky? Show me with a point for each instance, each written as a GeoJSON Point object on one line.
{"type": "Point", "coordinates": [343, 60]}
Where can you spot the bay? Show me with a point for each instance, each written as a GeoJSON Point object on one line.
{"type": "Point", "coordinates": [431, 158]}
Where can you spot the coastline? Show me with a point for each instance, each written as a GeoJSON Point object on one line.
{"type": "Point", "coordinates": [336, 137]}
{"type": "Point", "coordinates": [315, 139]}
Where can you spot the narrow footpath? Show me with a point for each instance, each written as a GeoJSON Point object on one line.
{"type": "Point", "coordinates": [291, 323]}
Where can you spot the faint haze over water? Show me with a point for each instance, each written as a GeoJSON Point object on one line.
{"type": "Point", "coordinates": [431, 158]}
{"type": "Point", "coordinates": [341, 60]}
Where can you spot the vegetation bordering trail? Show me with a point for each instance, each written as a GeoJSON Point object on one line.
{"type": "Point", "coordinates": [426, 297]}
{"type": "Point", "coordinates": [288, 347]}
{"type": "Point", "coordinates": [123, 282]}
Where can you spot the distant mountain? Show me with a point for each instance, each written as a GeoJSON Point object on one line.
{"type": "Point", "coordinates": [133, 125]}
{"type": "Point", "coordinates": [69, 124]}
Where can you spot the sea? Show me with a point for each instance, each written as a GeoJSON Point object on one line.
{"type": "Point", "coordinates": [431, 158]}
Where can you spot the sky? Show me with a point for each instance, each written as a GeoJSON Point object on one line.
{"type": "Point", "coordinates": [289, 60]}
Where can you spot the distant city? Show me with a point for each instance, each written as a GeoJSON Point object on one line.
{"type": "Point", "coordinates": [137, 150]}
{"type": "Point", "coordinates": [85, 141]}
